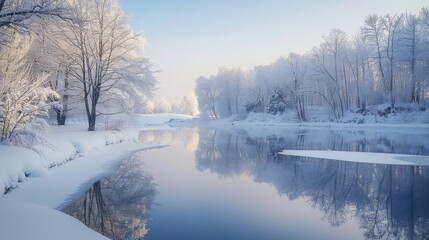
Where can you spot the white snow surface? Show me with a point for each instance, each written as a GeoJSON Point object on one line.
{"type": "Point", "coordinates": [362, 157]}
{"type": "Point", "coordinates": [54, 173]}
{"type": "Point", "coordinates": [135, 120]}
{"type": "Point", "coordinates": [62, 185]}
{"type": "Point", "coordinates": [316, 117]}
{"type": "Point", "coordinates": [22, 220]}
{"type": "Point", "coordinates": [157, 119]}
{"type": "Point", "coordinates": [61, 146]}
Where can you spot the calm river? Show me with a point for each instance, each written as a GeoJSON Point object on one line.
{"type": "Point", "coordinates": [232, 184]}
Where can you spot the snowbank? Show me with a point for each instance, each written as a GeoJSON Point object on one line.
{"type": "Point", "coordinates": [363, 157]}
{"type": "Point", "coordinates": [66, 183]}
{"type": "Point", "coordinates": [16, 162]}
{"type": "Point", "coordinates": [159, 118]}
{"type": "Point", "coordinates": [29, 212]}
{"type": "Point", "coordinates": [120, 121]}
{"type": "Point", "coordinates": [159, 121]}
{"type": "Point", "coordinates": [375, 115]}
{"type": "Point", "coordinates": [65, 143]}
{"type": "Point", "coordinates": [20, 220]}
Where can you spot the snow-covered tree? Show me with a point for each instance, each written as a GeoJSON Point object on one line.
{"type": "Point", "coordinates": [31, 17]}
{"type": "Point", "coordinates": [22, 93]}
{"type": "Point", "coordinates": [161, 106]}
{"type": "Point", "coordinates": [298, 86]}
{"type": "Point", "coordinates": [277, 103]}
{"type": "Point", "coordinates": [49, 57]}
{"type": "Point", "coordinates": [106, 59]}
{"type": "Point", "coordinates": [411, 43]}
{"type": "Point", "coordinates": [382, 33]}
{"type": "Point", "coordinates": [191, 103]}
{"type": "Point", "coordinates": [188, 105]}
{"type": "Point", "coordinates": [207, 94]}
{"type": "Point", "coordinates": [328, 60]}
{"type": "Point", "coordinates": [391, 25]}
{"type": "Point", "coordinates": [387, 61]}
{"type": "Point", "coordinates": [423, 85]}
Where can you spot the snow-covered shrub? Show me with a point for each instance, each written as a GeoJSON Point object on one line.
{"type": "Point", "coordinates": [277, 103]}
{"type": "Point", "coordinates": [256, 106]}
{"type": "Point", "coordinates": [319, 114]}
{"type": "Point", "coordinates": [115, 125]}
{"type": "Point", "coordinates": [23, 94]}
{"type": "Point", "coordinates": [353, 117]}
{"type": "Point", "coordinates": [116, 122]}
{"type": "Point", "coordinates": [424, 117]}
{"type": "Point", "coordinates": [31, 134]}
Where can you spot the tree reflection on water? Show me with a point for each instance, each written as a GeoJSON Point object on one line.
{"type": "Point", "coordinates": [389, 201]}
{"type": "Point", "coordinates": [116, 206]}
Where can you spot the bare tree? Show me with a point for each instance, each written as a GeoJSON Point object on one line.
{"type": "Point", "coordinates": [104, 56]}
{"type": "Point", "coordinates": [391, 25]}
{"type": "Point", "coordinates": [298, 70]}
{"type": "Point", "coordinates": [412, 44]}
{"type": "Point", "coordinates": [423, 85]}
{"type": "Point", "coordinates": [326, 61]}
{"type": "Point", "coordinates": [382, 33]}
{"type": "Point", "coordinates": [335, 44]}
{"type": "Point", "coordinates": [374, 34]}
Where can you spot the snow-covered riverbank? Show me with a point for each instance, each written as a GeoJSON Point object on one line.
{"type": "Point", "coordinates": [64, 143]}
{"type": "Point", "coordinates": [40, 189]}
{"type": "Point", "coordinates": [58, 147]}
{"type": "Point", "coordinates": [54, 173]}
{"type": "Point", "coordinates": [320, 118]}
{"type": "Point", "coordinates": [60, 186]}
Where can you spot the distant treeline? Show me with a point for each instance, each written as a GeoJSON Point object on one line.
{"type": "Point", "coordinates": [386, 62]}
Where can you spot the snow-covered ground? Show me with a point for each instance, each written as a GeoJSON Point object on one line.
{"type": "Point", "coordinates": [23, 220]}
{"type": "Point", "coordinates": [55, 171]}
{"type": "Point", "coordinates": [407, 115]}
{"type": "Point", "coordinates": [263, 121]}
{"type": "Point", "coordinates": [147, 121]}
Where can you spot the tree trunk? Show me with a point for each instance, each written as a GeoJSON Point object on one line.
{"type": "Point", "coordinates": [91, 123]}
{"type": "Point", "coordinates": [62, 114]}
{"type": "Point", "coordinates": [2, 4]}
{"type": "Point", "coordinates": [61, 118]}
{"type": "Point", "coordinates": [214, 110]}
{"type": "Point", "coordinates": [301, 109]}
{"type": "Point", "coordinates": [359, 105]}
{"type": "Point", "coordinates": [236, 105]}
{"type": "Point", "coordinates": [92, 117]}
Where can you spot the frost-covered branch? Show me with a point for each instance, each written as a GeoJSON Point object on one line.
{"type": "Point", "coordinates": [17, 13]}
{"type": "Point", "coordinates": [23, 94]}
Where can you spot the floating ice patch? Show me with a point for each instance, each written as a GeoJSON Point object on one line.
{"type": "Point", "coordinates": [363, 157]}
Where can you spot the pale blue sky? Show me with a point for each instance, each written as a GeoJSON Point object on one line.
{"type": "Point", "coordinates": [187, 39]}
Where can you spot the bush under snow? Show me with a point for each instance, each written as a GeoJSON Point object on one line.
{"type": "Point", "coordinates": [19, 162]}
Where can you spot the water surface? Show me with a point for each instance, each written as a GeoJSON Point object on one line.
{"type": "Point", "coordinates": [232, 184]}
